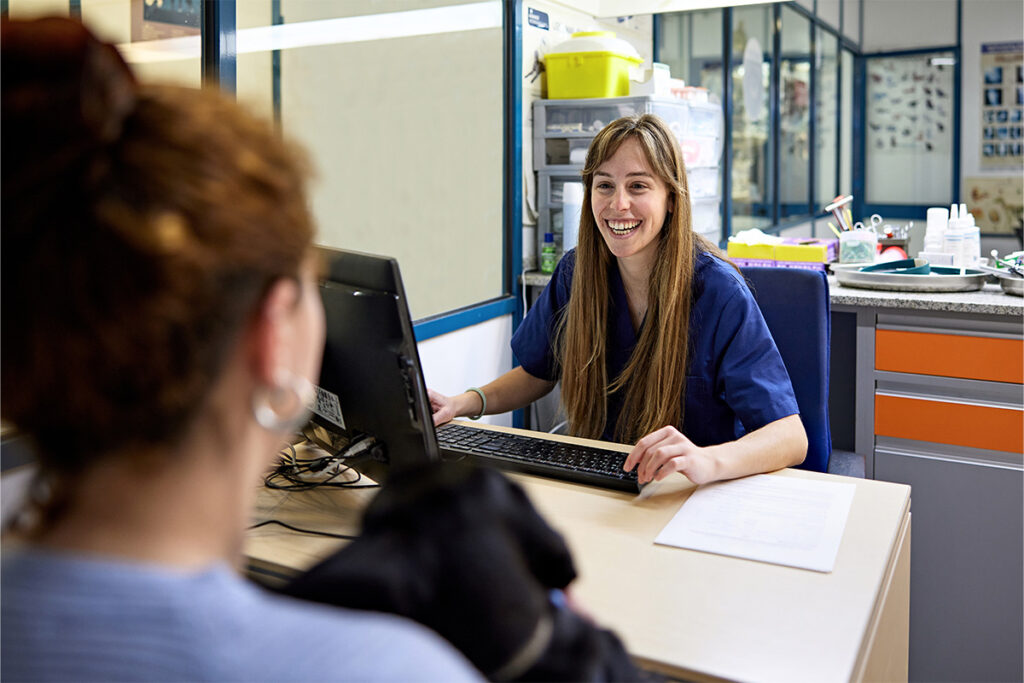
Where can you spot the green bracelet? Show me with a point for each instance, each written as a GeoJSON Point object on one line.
{"type": "Point", "coordinates": [483, 399]}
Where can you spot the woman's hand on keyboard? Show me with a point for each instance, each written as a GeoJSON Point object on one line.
{"type": "Point", "coordinates": [666, 451]}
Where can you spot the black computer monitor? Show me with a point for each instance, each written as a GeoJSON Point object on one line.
{"type": "Point", "coordinates": [371, 383]}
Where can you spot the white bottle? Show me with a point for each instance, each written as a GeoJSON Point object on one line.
{"type": "Point", "coordinates": [953, 242]}
{"type": "Point", "coordinates": [972, 239]}
{"type": "Point", "coordinates": [572, 207]}
{"type": "Point", "coordinates": [938, 217]}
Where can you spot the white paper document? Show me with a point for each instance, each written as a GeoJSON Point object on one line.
{"type": "Point", "coordinates": [782, 520]}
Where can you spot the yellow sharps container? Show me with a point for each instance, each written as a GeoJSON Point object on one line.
{"type": "Point", "coordinates": [590, 64]}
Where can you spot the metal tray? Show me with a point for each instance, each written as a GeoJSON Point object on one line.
{"type": "Point", "coordinates": [1012, 285]}
{"type": "Point", "coordinates": [894, 282]}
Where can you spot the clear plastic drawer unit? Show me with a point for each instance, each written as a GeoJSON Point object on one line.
{"type": "Point", "coordinates": [563, 129]}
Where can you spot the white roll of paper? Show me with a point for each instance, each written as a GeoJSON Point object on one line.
{"type": "Point", "coordinates": [572, 209]}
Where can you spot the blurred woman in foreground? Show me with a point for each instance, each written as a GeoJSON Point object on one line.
{"type": "Point", "coordinates": [161, 322]}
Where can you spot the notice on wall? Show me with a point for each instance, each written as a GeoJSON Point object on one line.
{"type": "Point", "coordinates": [1002, 105]}
{"type": "Point", "coordinates": [910, 108]}
{"type": "Point", "coordinates": [997, 202]}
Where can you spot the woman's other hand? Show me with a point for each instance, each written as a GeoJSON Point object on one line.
{"type": "Point", "coordinates": [665, 451]}
{"type": "Point", "coordinates": [442, 407]}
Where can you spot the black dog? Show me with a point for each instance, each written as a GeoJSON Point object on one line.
{"type": "Point", "coordinates": [464, 552]}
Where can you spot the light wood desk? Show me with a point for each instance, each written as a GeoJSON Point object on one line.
{"type": "Point", "coordinates": [689, 614]}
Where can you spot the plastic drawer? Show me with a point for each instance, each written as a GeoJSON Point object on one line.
{"type": "Point", "coordinates": [676, 115]}
{"type": "Point", "coordinates": [565, 151]}
{"type": "Point", "coordinates": [703, 182]}
{"type": "Point", "coordinates": [575, 117]}
{"type": "Point", "coordinates": [706, 217]}
{"type": "Point", "coordinates": [701, 151]}
{"type": "Point", "coordinates": [705, 120]}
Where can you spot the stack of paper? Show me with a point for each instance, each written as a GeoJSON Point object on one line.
{"type": "Point", "coordinates": [783, 520]}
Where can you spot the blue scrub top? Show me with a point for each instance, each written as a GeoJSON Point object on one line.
{"type": "Point", "coordinates": [736, 382]}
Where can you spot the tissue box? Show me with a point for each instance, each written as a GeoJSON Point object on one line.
{"type": "Point", "coordinates": [807, 249]}
{"type": "Point", "coordinates": [791, 252]}
{"type": "Point", "coordinates": [756, 252]}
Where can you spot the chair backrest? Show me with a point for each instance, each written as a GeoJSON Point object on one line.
{"type": "Point", "coordinates": [795, 304]}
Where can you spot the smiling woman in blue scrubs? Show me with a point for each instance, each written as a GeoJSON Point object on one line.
{"type": "Point", "coordinates": [655, 337]}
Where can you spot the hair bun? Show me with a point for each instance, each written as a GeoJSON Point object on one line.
{"type": "Point", "coordinates": [65, 94]}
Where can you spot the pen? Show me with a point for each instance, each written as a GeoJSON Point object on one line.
{"type": "Point", "coordinates": [832, 226]}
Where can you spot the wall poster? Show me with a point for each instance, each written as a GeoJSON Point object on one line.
{"type": "Point", "coordinates": [997, 202]}
{"type": "Point", "coordinates": [910, 106]}
{"type": "Point", "coordinates": [1002, 105]}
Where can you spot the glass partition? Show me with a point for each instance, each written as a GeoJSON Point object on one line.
{"type": "Point", "coordinates": [691, 44]}
{"type": "Point", "coordinates": [826, 142]}
{"type": "Point", "coordinates": [399, 102]}
{"type": "Point", "coordinates": [794, 115]}
{"type": "Point", "coordinates": [160, 41]}
{"type": "Point", "coordinates": [751, 117]}
{"type": "Point", "coordinates": [401, 106]}
{"type": "Point", "coordinates": [846, 124]}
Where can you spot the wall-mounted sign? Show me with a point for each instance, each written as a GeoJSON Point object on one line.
{"type": "Point", "coordinates": [537, 19]}
{"type": "Point", "coordinates": [1002, 106]}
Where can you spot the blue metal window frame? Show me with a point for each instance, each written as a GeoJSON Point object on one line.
{"type": "Point", "coordinates": [219, 62]}
{"type": "Point", "coordinates": [217, 37]}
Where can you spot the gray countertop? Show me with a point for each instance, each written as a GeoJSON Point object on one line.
{"type": "Point", "coordinates": [990, 300]}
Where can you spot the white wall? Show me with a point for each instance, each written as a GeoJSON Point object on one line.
{"type": "Point", "coordinates": [984, 21]}
{"type": "Point", "coordinates": [828, 11]}
{"type": "Point", "coordinates": [891, 25]}
{"type": "Point", "coordinates": [851, 20]}
{"type": "Point", "coordinates": [470, 357]}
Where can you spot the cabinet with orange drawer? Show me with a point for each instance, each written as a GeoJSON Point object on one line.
{"type": "Point", "coordinates": [948, 419]}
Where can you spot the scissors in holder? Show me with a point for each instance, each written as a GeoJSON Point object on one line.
{"type": "Point", "coordinates": [875, 220]}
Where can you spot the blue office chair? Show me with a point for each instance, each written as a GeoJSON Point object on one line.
{"type": "Point", "coordinates": [795, 304]}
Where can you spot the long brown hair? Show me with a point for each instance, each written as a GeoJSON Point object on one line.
{"type": "Point", "coordinates": [654, 379]}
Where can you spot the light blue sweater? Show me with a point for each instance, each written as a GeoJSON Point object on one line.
{"type": "Point", "coordinates": [70, 618]}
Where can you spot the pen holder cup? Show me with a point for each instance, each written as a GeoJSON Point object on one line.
{"type": "Point", "coordinates": [858, 246]}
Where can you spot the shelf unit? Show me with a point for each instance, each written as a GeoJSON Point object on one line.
{"type": "Point", "coordinates": [563, 130]}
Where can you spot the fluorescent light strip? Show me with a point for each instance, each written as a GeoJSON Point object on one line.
{"type": "Point", "coordinates": [617, 8]}
{"type": "Point", "coordinates": [421, 22]}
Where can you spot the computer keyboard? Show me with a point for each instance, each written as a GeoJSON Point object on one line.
{"type": "Point", "coordinates": [556, 459]}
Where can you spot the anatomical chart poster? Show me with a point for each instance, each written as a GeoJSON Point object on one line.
{"type": "Point", "coordinates": [1002, 105]}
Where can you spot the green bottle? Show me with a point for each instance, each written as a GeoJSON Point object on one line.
{"type": "Point", "coordinates": [548, 257]}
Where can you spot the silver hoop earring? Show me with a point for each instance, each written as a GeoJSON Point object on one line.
{"type": "Point", "coordinates": [285, 406]}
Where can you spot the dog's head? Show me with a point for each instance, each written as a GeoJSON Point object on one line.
{"type": "Point", "coordinates": [459, 549]}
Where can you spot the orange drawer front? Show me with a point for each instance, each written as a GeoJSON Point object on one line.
{"type": "Point", "coordinates": [950, 355]}
{"type": "Point", "coordinates": [998, 429]}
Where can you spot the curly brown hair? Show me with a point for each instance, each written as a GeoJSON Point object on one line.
{"type": "Point", "coordinates": [141, 227]}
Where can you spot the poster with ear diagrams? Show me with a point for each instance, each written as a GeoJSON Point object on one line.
{"type": "Point", "coordinates": [1002, 106]}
